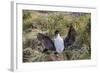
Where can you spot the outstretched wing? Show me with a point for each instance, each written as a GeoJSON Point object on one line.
{"type": "Point", "coordinates": [46, 41]}
{"type": "Point", "coordinates": [70, 39]}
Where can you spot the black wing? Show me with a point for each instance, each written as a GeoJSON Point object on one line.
{"type": "Point", "coordinates": [70, 39]}
{"type": "Point", "coordinates": [46, 41]}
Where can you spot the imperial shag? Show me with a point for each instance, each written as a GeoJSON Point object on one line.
{"type": "Point", "coordinates": [59, 44]}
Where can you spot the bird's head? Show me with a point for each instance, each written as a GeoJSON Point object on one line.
{"type": "Point", "coordinates": [56, 32]}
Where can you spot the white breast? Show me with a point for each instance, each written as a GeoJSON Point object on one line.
{"type": "Point", "coordinates": [59, 44]}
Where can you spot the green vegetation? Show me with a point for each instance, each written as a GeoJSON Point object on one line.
{"type": "Point", "coordinates": [47, 22]}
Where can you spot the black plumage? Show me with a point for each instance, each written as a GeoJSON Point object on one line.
{"type": "Point", "coordinates": [47, 42]}
{"type": "Point", "coordinates": [70, 39]}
